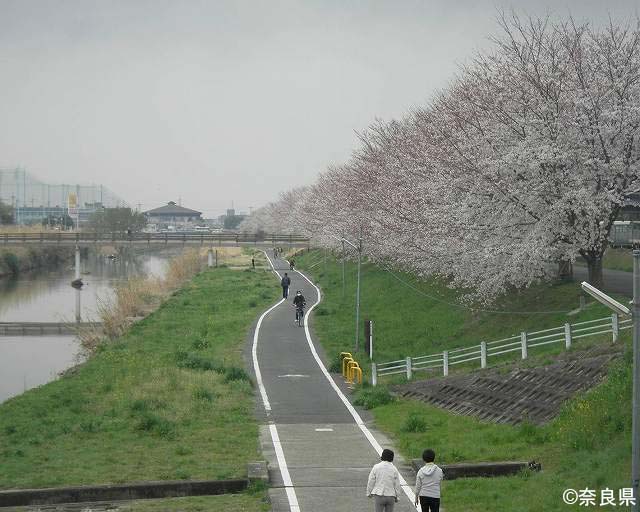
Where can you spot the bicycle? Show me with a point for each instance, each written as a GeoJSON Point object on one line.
{"type": "Point", "coordinates": [299, 315]}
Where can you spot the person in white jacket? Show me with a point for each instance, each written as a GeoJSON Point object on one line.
{"type": "Point", "coordinates": [384, 483]}
{"type": "Point", "coordinates": [428, 483]}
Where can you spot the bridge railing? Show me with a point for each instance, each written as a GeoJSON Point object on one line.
{"type": "Point", "coordinates": [565, 334]}
{"type": "Point", "coordinates": [100, 237]}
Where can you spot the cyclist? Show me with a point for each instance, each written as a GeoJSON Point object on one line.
{"type": "Point", "coordinates": [299, 303]}
{"type": "Point", "coordinates": [292, 264]}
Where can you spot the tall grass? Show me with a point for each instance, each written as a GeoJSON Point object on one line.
{"type": "Point", "coordinates": [138, 297]}
{"type": "Point", "coordinates": [168, 400]}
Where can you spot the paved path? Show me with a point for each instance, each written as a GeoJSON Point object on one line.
{"type": "Point", "coordinates": [615, 281]}
{"type": "Point", "coordinates": [318, 448]}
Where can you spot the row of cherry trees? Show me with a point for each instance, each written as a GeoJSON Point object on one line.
{"type": "Point", "coordinates": [522, 162]}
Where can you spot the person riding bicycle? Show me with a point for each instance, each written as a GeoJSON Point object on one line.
{"type": "Point", "coordinates": [292, 264]}
{"type": "Point", "coordinates": [299, 303]}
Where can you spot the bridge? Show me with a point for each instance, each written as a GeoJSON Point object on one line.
{"type": "Point", "coordinates": [44, 328]}
{"type": "Point", "coordinates": [87, 238]}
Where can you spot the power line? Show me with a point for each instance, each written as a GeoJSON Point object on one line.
{"type": "Point", "coordinates": [460, 306]}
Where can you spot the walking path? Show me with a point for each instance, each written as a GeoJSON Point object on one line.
{"type": "Point", "coordinates": [319, 449]}
{"type": "Point", "coordinates": [615, 281]}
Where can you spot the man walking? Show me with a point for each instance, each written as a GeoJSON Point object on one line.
{"type": "Point", "coordinates": [285, 283]}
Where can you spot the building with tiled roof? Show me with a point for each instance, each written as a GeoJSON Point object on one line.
{"type": "Point", "coordinates": [172, 214]}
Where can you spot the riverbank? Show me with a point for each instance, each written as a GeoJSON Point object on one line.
{"type": "Point", "coordinates": [14, 260]}
{"type": "Point", "coordinates": [168, 400]}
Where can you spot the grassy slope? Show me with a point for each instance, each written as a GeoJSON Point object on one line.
{"type": "Point", "coordinates": [615, 259]}
{"type": "Point", "coordinates": [588, 446]}
{"type": "Point", "coordinates": [160, 404]}
{"type": "Point", "coordinates": [407, 323]}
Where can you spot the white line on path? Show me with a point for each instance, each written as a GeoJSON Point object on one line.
{"type": "Point", "coordinates": [367, 433]}
{"type": "Point", "coordinates": [291, 495]}
{"type": "Point", "coordinates": [275, 438]}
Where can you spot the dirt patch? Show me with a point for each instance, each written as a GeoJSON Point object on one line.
{"type": "Point", "coordinates": [504, 395]}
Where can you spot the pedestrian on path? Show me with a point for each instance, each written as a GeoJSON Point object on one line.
{"type": "Point", "coordinates": [384, 483]}
{"type": "Point", "coordinates": [428, 483]}
{"type": "Point", "coordinates": [253, 262]}
{"type": "Point", "coordinates": [285, 283]}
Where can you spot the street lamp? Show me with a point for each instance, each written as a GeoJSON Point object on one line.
{"type": "Point", "coordinates": [359, 249]}
{"type": "Point", "coordinates": [635, 315]}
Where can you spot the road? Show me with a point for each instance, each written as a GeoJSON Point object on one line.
{"type": "Point", "coordinates": [318, 447]}
{"type": "Point", "coordinates": [615, 281]}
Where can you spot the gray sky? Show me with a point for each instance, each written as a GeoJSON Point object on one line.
{"type": "Point", "coordinates": [214, 101]}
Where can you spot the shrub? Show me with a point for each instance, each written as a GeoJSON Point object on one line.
{"type": "Point", "coordinates": [196, 362]}
{"type": "Point", "coordinates": [233, 374]}
{"type": "Point", "coordinates": [414, 423]}
{"type": "Point", "coordinates": [155, 424]}
{"type": "Point", "coordinates": [373, 397]}
{"type": "Point", "coordinates": [201, 344]}
{"type": "Point", "coordinates": [203, 394]}
{"type": "Point", "coordinates": [146, 404]}
{"type": "Point", "coordinates": [11, 262]}
{"type": "Point", "coordinates": [335, 366]}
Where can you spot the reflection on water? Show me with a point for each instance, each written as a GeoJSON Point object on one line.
{"type": "Point", "coordinates": [30, 361]}
{"type": "Point", "coordinates": [47, 296]}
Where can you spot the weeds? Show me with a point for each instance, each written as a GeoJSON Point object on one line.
{"type": "Point", "coordinates": [414, 423]}
{"type": "Point", "coordinates": [373, 397]}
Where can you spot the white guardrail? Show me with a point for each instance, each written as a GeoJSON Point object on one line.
{"type": "Point", "coordinates": [566, 334]}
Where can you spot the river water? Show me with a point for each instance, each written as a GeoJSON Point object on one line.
{"type": "Point", "coordinates": [47, 296]}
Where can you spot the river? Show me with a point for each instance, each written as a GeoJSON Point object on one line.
{"type": "Point", "coordinates": [47, 296]}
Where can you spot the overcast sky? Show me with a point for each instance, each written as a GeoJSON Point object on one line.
{"type": "Point", "coordinates": [214, 101]}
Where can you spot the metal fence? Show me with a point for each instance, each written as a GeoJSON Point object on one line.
{"type": "Point", "coordinates": [565, 334]}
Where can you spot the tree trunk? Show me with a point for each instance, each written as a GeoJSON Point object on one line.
{"type": "Point", "coordinates": [565, 270]}
{"type": "Point", "coordinates": [595, 272]}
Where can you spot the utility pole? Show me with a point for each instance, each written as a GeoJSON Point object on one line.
{"type": "Point", "coordinates": [359, 249]}
{"type": "Point", "coordinates": [635, 422]}
{"type": "Point", "coordinates": [343, 279]}
{"type": "Point", "coordinates": [621, 309]}
{"type": "Point", "coordinates": [358, 294]}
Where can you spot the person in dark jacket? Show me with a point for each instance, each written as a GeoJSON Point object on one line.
{"type": "Point", "coordinates": [299, 303]}
{"type": "Point", "coordinates": [285, 283]}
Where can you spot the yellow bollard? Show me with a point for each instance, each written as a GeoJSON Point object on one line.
{"type": "Point", "coordinates": [345, 364]}
{"type": "Point", "coordinates": [358, 370]}
{"type": "Point", "coordinates": [350, 366]}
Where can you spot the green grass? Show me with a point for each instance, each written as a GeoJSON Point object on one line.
{"type": "Point", "coordinates": [167, 401]}
{"type": "Point", "coordinates": [614, 259]}
{"type": "Point", "coordinates": [408, 323]}
{"type": "Point", "coordinates": [587, 446]}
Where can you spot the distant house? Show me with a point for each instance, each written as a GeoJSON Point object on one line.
{"type": "Point", "coordinates": [173, 215]}
{"type": "Point", "coordinates": [630, 207]}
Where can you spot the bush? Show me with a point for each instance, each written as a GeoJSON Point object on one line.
{"type": "Point", "coordinates": [201, 344]}
{"type": "Point", "coordinates": [146, 404]}
{"type": "Point", "coordinates": [414, 423]}
{"type": "Point", "coordinates": [203, 394]}
{"type": "Point", "coordinates": [373, 397]}
{"type": "Point", "coordinates": [335, 366]}
{"type": "Point", "coordinates": [157, 425]}
{"type": "Point", "coordinates": [196, 362]}
{"type": "Point", "coordinates": [11, 262]}
{"type": "Point", "coordinates": [235, 374]}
